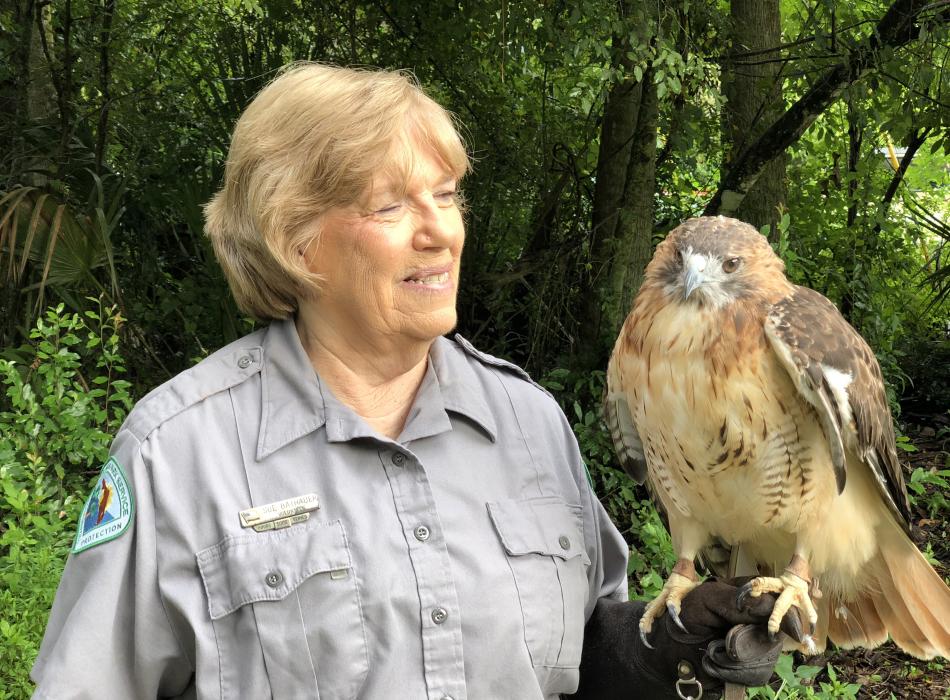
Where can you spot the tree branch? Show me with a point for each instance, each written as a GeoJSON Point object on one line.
{"type": "Point", "coordinates": [896, 28]}
{"type": "Point", "coordinates": [914, 142]}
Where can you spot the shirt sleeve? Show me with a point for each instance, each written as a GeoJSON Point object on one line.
{"type": "Point", "coordinates": [108, 635]}
{"type": "Point", "coordinates": [607, 576]}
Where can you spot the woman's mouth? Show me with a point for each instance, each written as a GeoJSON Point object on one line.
{"type": "Point", "coordinates": [433, 279]}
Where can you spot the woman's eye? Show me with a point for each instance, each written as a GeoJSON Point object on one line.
{"type": "Point", "coordinates": [731, 265]}
{"type": "Point", "coordinates": [445, 196]}
{"type": "Point", "coordinates": [389, 210]}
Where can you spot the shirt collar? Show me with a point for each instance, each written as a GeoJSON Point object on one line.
{"type": "Point", "coordinates": [292, 402]}
{"type": "Point", "coordinates": [463, 392]}
{"type": "Point", "coordinates": [296, 402]}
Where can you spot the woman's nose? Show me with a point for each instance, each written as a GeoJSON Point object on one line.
{"type": "Point", "coordinates": [437, 226]}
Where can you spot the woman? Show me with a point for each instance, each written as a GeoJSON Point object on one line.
{"type": "Point", "coordinates": [347, 504]}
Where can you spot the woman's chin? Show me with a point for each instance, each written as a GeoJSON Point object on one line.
{"type": "Point", "coordinates": [431, 325]}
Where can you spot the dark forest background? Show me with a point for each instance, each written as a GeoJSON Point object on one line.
{"type": "Point", "coordinates": [596, 126]}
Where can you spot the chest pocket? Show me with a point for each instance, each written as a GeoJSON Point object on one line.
{"type": "Point", "coordinates": [291, 594]}
{"type": "Point", "coordinates": [543, 538]}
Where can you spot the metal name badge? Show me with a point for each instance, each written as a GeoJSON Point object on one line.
{"type": "Point", "coordinates": [286, 510]}
{"type": "Point", "coordinates": [282, 523]}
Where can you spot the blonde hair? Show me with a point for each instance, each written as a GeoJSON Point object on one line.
{"type": "Point", "coordinates": [313, 139]}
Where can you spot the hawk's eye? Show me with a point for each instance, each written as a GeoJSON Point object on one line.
{"type": "Point", "coordinates": [731, 265]}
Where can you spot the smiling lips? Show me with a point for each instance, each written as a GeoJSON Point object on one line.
{"type": "Point", "coordinates": [433, 278]}
{"type": "Point", "coordinates": [438, 278]}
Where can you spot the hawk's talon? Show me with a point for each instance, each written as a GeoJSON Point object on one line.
{"type": "Point", "coordinates": [745, 591]}
{"type": "Point", "coordinates": [643, 638]}
{"type": "Point", "coordinates": [674, 590]}
{"type": "Point", "coordinates": [673, 610]}
{"type": "Point", "coordinates": [795, 628]}
{"type": "Point", "coordinates": [792, 591]}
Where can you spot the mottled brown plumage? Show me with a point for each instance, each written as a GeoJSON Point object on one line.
{"type": "Point", "coordinates": [757, 415]}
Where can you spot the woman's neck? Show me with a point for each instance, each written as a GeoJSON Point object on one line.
{"type": "Point", "coordinates": [378, 384]}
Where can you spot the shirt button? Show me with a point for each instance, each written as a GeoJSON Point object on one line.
{"type": "Point", "coordinates": [422, 533]}
{"type": "Point", "coordinates": [440, 615]}
{"type": "Point", "coordinates": [398, 459]}
{"type": "Point", "coordinates": [244, 362]}
{"type": "Point", "coordinates": [564, 541]}
{"type": "Point", "coordinates": [273, 579]}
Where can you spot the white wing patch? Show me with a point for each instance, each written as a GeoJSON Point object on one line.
{"type": "Point", "coordinates": [839, 382]}
{"type": "Point", "coordinates": [836, 382]}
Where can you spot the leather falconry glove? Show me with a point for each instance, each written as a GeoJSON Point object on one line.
{"type": "Point", "coordinates": [719, 643]}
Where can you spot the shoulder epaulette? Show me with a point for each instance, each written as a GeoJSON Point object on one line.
{"type": "Point", "coordinates": [498, 362]}
{"type": "Point", "coordinates": [223, 369]}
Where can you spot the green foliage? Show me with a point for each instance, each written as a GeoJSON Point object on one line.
{"type": "Point", "coordinates": [801, 682]}
{"type": "Point", "coordinates": [930, 489]}
{"type": "Point", "coordinates": [114, 140]}
{"type": "Point", "coordinates": [60, 408]}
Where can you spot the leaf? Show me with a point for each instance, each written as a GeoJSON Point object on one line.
{"type": "Point", "coordinates": [51, 247]}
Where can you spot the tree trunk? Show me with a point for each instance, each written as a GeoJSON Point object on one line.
{"type": "Point", "coordinates": [105, 79]}
{"type": "Point", "coordinates": [855, 138]}
{"type": "Point", "coordinates": [753, 91]}
{"type": "Point", "coordinates": [636, 217]}
{"type": "Point", "coordinates": [622, 216]}
{"type": "Point", "coordinates": [609, 229]}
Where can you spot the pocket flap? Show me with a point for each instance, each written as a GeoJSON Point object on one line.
{"type": "Point", "coordinates": [544, 525]}
{"type": "Point", "coordinates": [269, 565]}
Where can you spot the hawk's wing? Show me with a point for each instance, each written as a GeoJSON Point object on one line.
{"type": "Point", "coordinates": [623, 432]}
{"type": "Point", "coordinates": [835, 371]}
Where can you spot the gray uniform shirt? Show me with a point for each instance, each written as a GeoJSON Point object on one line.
{"type": "Point", "coordinates": [459, 561]}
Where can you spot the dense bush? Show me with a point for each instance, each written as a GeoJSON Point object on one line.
{"type": "Point", "coordinates": [61, 404]}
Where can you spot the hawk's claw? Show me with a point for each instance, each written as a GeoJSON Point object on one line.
{"type": "Point", "coordinates": [674, 590]}
{"type": "Point", "coordinates": [743, 595]}
{"type": "Point", "coordinates": [794, 627]}
{"type": "Point", "coordinates": [792, 591]}
{"type": "Point", "coordinates": [643, 638]}
{"type": "Point", "coordinates": [674, 615]}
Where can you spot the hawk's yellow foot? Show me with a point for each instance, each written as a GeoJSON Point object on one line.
{"type": "Point", "coordinates": [681, 581]}
{"type": "Point", "coordinates": [793, 588]}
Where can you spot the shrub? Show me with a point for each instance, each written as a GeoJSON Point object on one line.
{"type": "Point", "coordinates": [62, 401]}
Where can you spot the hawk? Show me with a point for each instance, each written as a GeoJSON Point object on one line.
{"type": "Point", "coordinates": [758, 418]}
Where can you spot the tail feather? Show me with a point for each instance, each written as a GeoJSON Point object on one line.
{"type": "Point", "coordinates": [910, 597]}
{"type": "Point", "coordinates": [899, 594]}
{"type": "Point", "coordinates": [856, 624]}
{"type": "Point", "coordinates": [901, 626]}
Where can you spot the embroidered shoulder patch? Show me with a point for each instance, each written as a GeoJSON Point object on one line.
{"type": "Point", "coordinates": [108, 511]}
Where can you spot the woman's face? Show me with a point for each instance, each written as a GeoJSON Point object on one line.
{"type": "Point", "coordinates": [391, 267]}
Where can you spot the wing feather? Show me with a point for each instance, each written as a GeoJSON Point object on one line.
{"type": "Point", "coordinates": [623, 431]}
{"type": "Point", "coordinates": [835, 371]}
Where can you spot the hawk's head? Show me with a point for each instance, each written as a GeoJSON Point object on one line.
{"type": "Point", "coordinates": [714, 261]}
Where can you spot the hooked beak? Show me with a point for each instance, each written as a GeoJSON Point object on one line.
{"type": "Point", "coordinates": [693, 277]}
